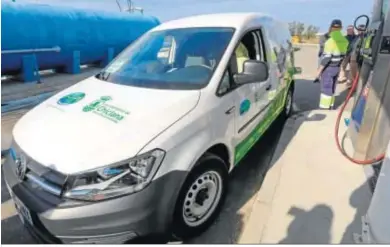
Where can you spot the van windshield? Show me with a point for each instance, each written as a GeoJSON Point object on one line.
{"type": "Point", "coordinates": [178, 59]}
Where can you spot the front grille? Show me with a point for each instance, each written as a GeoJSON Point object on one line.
{"type": "Point", "coordinates": [41, 176]}
{"type": "Point", "coordinates": [47, 173]}
{"type": "Point", "coordinates": [43, 184]}
{"type": "Point", "coordinates": [47, 179]}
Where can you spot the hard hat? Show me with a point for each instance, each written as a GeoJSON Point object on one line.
{"type": "Point", "coordinates": [336, 23]}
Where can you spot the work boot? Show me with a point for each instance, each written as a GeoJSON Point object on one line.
{"type": "Point", "coordinates": [349, 84]}
{"type": "Point", "coordinates": [341, 81]}
{"type": "Point", "coordinates": [326, 109]}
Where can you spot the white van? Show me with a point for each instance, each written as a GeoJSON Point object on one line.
{"type": "Point", "coordinates": [145, 146]}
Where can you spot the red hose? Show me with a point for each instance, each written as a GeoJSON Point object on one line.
{"type": "Point", "coordinates": [342, 151]}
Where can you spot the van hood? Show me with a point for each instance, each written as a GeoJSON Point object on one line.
{"type": "Point", "coordinates": [96, 123]}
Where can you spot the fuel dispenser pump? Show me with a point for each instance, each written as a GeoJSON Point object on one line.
{"type": "Point", "coordinates": [369, 125]}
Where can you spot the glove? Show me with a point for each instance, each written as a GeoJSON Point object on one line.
{"type": "Point", "coordinates": [316, 80]}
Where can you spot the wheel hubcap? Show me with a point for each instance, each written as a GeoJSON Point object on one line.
{"type": "Point", "coordinates": [202, 198]}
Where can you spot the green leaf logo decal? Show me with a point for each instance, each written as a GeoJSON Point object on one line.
{"type": "Point", "coordinates": [71, 98]}
{"type": "Point", "coordinates": [244, 106]}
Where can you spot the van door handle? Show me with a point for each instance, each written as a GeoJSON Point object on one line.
{"type": "Point", "coordinates": [268, 87]}
{"type": "Point", "coordinates": [231, 109]}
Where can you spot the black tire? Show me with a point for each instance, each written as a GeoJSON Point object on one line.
{"type": "Point", "coordinates": [181, 229]}
{"type": "Point", "coordinates": [288, 104]}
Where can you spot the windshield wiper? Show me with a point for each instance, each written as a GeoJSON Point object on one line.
{"type": "Point", "coordinates": [102, 75]}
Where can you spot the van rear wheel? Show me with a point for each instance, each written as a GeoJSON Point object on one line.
{"type": "Point", "coordinates": [288, 105]}
{"type": "Point", "coordinates": [201, 197]}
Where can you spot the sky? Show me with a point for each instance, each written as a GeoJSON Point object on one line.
{"type": "Point", "coordinates": [314, 12]}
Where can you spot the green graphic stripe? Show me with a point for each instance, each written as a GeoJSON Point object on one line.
{"type": "Point", "coordinates": [272, 113]}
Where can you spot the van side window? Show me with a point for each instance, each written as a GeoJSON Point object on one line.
{"type": "Point", "coordinates": [226, 84]}
{"type": "Point", "coordinates": [250, 47]}
{"type": "Point", "coordinates": [279, 50]}
{"type": "Point", "coordinates": [260, 36]}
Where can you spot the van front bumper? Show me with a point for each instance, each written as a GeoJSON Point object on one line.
{"type": "Point", "coordinates": [119, 220]}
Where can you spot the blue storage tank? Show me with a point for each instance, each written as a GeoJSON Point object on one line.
{"type": "Point", "coordinates": [37, 26]}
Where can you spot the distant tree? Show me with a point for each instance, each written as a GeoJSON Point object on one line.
{"type": "Point", "coordinates": [316, 30]}
{"type": "Point", "coordinates": [311, 32]}
{"type": "Point", "coordinates": [296, 28]}
{"type": "Point", "coordinates": [293, 28]}
{"type": "Point", "coordinates": [301, 30]}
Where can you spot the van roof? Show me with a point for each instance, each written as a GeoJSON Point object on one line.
{"type": "Point", "coordinates": [234, 20]}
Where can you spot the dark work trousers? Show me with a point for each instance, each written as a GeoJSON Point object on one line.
{"type": "Point", "coordinates": [328, 86]}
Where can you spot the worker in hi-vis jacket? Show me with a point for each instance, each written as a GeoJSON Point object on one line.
{"type": "Point", "coordinates": [335, 49]}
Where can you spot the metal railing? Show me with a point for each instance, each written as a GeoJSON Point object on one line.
{"type": "Point", "coordinates": [53, 49]}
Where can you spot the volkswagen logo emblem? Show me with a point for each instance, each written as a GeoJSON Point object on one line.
{"type": "Point", "coordinates": [21, 166]}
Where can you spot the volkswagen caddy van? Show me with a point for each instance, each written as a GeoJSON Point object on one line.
{"type": "Point", "coordinates": [146, 146]}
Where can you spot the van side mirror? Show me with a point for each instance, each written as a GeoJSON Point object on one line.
{"type": "Point", "coordinates": [254, 71]}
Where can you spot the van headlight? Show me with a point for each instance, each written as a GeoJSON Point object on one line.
{"type": "Point", "coordinates": [116, 180]}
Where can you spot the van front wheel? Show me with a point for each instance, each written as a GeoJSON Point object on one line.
{"type": "Point", "coordinates": [201, 197]}
{"type": "Point", "coordinates": [288, 105]}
